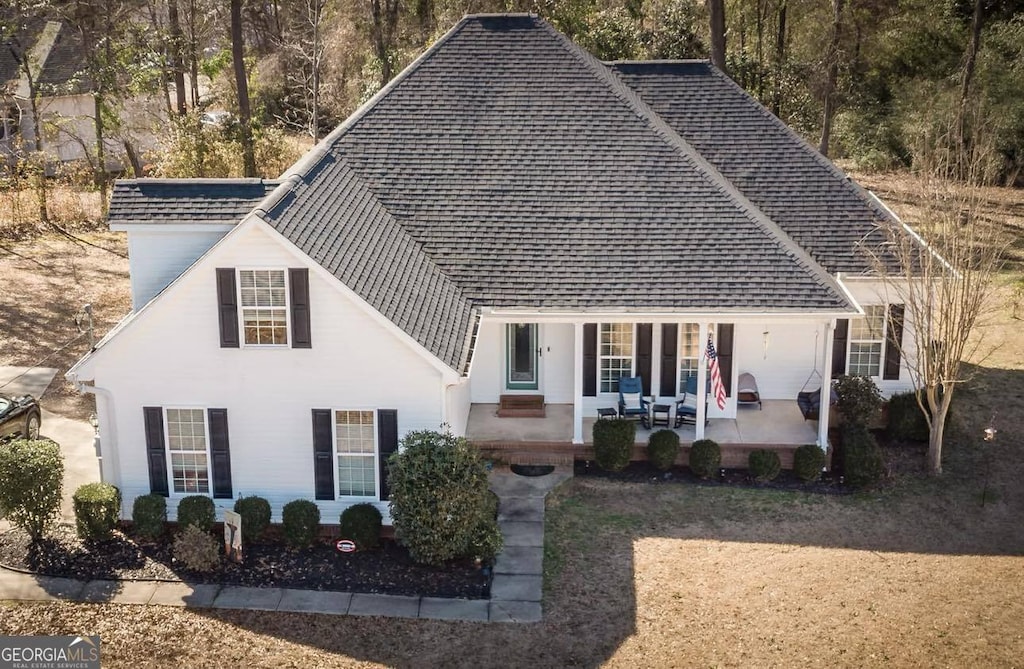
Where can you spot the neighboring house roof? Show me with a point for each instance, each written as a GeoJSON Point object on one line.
{"type": "Point", "coordinates": [817, 205]}
{"type": "Point", "coordinates": [186, 201]}
{"type": "Point", "coordinates": [65, 70]}
{"type": "Point", "coordinates": [14, 45]}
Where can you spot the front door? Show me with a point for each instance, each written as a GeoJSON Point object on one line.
{"type": "Point", "coordinates": [521, 351]}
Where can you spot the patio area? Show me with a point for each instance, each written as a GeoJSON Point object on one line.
{"type": "Point", "coordinates": [778, 423]}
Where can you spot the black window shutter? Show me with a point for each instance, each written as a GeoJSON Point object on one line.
{"type": "Point", "coordinates": [387, 443]}
{"type": "Point", "coordinates": [220, 453]}
{"type": "Point", "coordinates": [724, 351]}
{"type": "Point", "coordinates": [590, 359]}
{"type": "Point", "coordinates": [669, 350]}
{"type": "Point", "coordinates": [155, 451]}
{"type": "Point", "coordinates": [893, 341]}
{"type": "Point", "coordinates": [298, 281]}
{"type": "Point", "coordinates": [227, 301]}
{"type": "Point", "coordinates": [323, 454]}
{"type": "Point", "coordinates": [642, 355]}
{"type": "Point", "coordinates": [839, 347]}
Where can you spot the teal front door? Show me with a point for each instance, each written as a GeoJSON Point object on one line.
{"type": "Point", "coordinates": [521, 352]}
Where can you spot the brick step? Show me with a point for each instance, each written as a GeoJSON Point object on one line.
{"type": "Point", "coordinates": [521, 406]}
{"type": "Point", "coordinates": [529, 453]}
{"type": "Point", "coordinates": [515, 412]}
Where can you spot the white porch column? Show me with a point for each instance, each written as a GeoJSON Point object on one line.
{"type": "Point", "coordinates": [702, 379]}
{"type": "Point", "coordinates": [826, 387]}
{"type": "Point", "coordinates": [577, 384]}
{"type": "Point", "coordinates": [656, 360]}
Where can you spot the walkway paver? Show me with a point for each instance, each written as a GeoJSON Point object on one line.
{"type": "Point", "coordinates": [516, 589]}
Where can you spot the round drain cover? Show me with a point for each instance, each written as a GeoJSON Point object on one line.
{"type": "Point", "coordinates": [532, 470]}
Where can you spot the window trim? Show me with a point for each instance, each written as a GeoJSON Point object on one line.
{"type": "Point", "coordinates": [882, 340]}
{"type": "Point", "coordinates": [600, 357]}
{"type": "Point", "coordinates": [376, 456]}
{"type": "Point", "coordinates": [171, 492]}
{"type": "Point", "coordinates": [241, 308]}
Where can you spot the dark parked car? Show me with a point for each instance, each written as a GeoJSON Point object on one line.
{"type": "Point", "coordinates": [19, 417]}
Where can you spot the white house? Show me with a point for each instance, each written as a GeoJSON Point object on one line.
{"type": "Point", "coordinates": [509, 216]}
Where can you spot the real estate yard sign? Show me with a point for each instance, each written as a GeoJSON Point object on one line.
{"type": "Point", "coordinates": [233, 536]}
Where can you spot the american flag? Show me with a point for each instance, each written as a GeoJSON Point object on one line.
{"type": "Point", "coordinates": [717, 387]}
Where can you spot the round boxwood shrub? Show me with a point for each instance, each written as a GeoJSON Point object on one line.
{"type": "Point", "coordinates": [361, 523]}
{"type": "Point", "coordinates": [906, 420]}
{"type": "Point", "coordinates": [862, 458]}
{"type": "Point", "coordinates": [300, 520]}
{"type": "Point", "coordinates": [613, 443]}
{"type": "Point", "coordinates": [663, 449]}
{"type": "Point", "coordinates": [764, 465]}
{"type": "Point", "coordinates": [196, 549]}
{"type": "Point", "coordinates": [31, 477]}
{"type": "Point", "coordinates": [808, 461]}
{"type": "Point", "coordinates": [858, 400]}
{"type": "Point", "coordinates": [705, 458]}
{"type": "Point", "coordinates": [149, 513]}
{"type": "Point", "coordinates": [196, 510]}
{"type": "Point", "coordinates": [255, 513]}
{"type": "Point", "coordinates": [97, 510]}
{"type": "Point", "coordinates": [440, 505]}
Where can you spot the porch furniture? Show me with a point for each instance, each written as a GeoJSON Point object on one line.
{"type": "Point", "coordinates": [809, 401]}
{"type": "Point", "coordinates": [686, 408]}
{"type": "Point", "coordinates": [631, 400]}
{"type": "Point", "coordinates": [746, 390]}
{"type": "Point", "coordinates": [607, 412]}
{"type": "Point", "coordinates": [660, 414]}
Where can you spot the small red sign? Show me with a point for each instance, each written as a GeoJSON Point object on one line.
{"type": "Point", "coordinates": [345, 545]}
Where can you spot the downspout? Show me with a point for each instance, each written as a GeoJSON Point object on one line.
{"type": "Point", "coordinates": [106, 437]}
{"type": "Point", "coordinates": [825, 401]}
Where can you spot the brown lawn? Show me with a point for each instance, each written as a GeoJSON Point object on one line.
{"type": "Point", "coordinates": [913, 573]}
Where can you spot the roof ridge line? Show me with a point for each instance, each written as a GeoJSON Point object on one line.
{"type": "Point", "coordinates": [657, 61]}
{"type": "Point", "coordinates": [658, 124]}
{"type": "Point", "coordinates": [161, 181]}
{"type": "Point", "coordinates": [806, 146]}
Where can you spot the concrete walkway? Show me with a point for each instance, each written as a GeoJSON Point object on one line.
{"type": "Point", "coordinates": [516, 590]}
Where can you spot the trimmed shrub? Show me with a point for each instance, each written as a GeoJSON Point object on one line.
{"type": "Point", "coordinates": [663, 449]}
{"type": "Point", "coordinates": [862, 458]}
{"type": "Point", "coordinates": [97, 509]}
{"type": "Point", "coordinates": [255, 513]}
{"type": "Point", "coordinates": [149, 513]}
{"type": "Point", "coordinates": [486, 541]}
{"type": "Point", "coordinates": [196, 549]}
{"type": "Point", "coordinates": [613, 443]}
{"type": "Point", "coordinates": [361, 523]}
{"type": "Point", "coordinates": [906, 421]}
{"type": "Point", "coordinates": [808, 460]}
{"type": "Point", "coordinates": [440, 505]}
{"type": "Point", "coordinates": [705, 458]}
{"type": "Point", "coordinates": [764, 465]}
{"type": "Point", "coordinates": [31, 477]}
{"type": "Point", "coordinates": [196, 510]}
{"type": "Point", "coordinates": [859, 400]}
{"type": "Point", "coordinates": [300, 520]}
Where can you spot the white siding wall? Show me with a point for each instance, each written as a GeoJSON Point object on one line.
{"type": "Point", "coordinates": [875, 292]}
{"type": "Point", "coordinates": [171, 357]}
{"type": "Point", "coordinates": [156, 257]}
{"type": "Point", "coordinates": [790, 358]}
{"type": "Point", "coordinates": [488, 360]}
{"type": "Point", "coordinates": [557, 357]}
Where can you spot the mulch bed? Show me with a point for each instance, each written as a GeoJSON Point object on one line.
{"type": "Point", "coordinates": [387, 570]}
{"type": "Point", "coordinates": [644, 472]}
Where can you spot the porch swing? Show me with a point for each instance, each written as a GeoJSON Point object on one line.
{"type": "Point", "coordinates": [809, 401]}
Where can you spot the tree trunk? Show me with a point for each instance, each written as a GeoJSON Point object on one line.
{"type": "Point", "coordinates": [37, 138]}
{"type": "Point", "coordinates": [177, 67]}
{"type": "Point", "coordinates": [716, 10]}
{"type": "Point", "coordinates": [242, 86]}
{"type": "Point", "coordinates": [780, 60]}
{"type": "Point", "coordinates": [970, 63]}
{"type": "Point", "coordinates": [935, 433]}
{"type": "Point", "coordinates": [385, 19]}
{"type": "Point", "coordinates": [100, 174]}
{"type": "Point", "coordinates": [832, 63]}
{"type": "Point", "coordinates": [317, 59]}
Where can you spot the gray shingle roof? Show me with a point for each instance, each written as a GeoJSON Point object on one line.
{"type": "Point", "coordinates": [811, 199]}
{"type": "Point", "coordinates": [180, 201]}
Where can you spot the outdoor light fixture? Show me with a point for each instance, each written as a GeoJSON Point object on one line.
{"type": "Point", "coordinates": [990, 433]}
{"type": "Point", "coordinates": [94, 421]}
{"type": "Point", "coordinates": [765, 336]}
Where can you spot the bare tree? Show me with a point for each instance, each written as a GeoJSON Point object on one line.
{"type": "Point", "coordinates": [242, 89]}
{"type": "Point", "coordinates": [716, 11]}
{"type": "Point", "coordinates": [831, 77]}
{"type": "Point", "coordinates": [948, 268]}
{"type": "Point", "coordinates": [384, 14]}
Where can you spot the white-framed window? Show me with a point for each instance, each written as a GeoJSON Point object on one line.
{"type": "Point", "coordinates": [615, 354]}
{"type": "Point", "coordinates": [689, 353]}
{"type": "Point", "coordinates": [867, 339]}
{"type": "Point", "coordinates": [263, 296]}
{"type": "Point", "coordinates": [355, 444]}
{"type": "Point", "coordinates": [188, 445]}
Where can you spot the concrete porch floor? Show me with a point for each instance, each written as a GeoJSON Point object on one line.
{"type": "Point", "coordinates": [778, 422]}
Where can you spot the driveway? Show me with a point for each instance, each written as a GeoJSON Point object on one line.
{"type": "Point", "coordinates": [74, 436]}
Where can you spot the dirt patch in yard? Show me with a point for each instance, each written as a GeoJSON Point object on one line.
{"type": "Point", "coordinates": [45, 287]}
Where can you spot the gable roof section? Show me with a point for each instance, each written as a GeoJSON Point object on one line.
{"type": "Point", "coordinates": [533, 178]}
{"type": "Point", "coordinates": [185, 201]}
{"type": "Point", "coordinates": [805, 193]}
{"type": "Point", "coordinates": [347, 231]}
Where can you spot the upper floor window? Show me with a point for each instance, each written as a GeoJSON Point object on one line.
{"type": "Point", "coordinates": [264, 302]}
{"type": "Point", "coordinates": [615, 354]}
{"type": "Point", "coordinates": [867, 336]}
